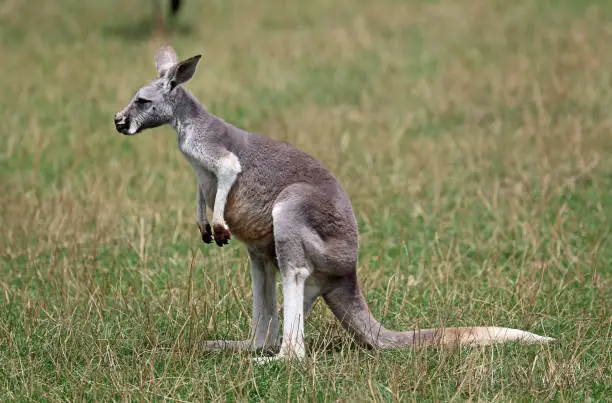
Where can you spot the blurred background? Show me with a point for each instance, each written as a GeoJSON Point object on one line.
{"type": "Point", "coordinates": [473, 137]}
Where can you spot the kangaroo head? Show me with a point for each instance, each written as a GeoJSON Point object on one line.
{"type": "Point", "coordinates": [154, 104]}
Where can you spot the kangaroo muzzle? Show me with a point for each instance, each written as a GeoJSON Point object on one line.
{"type": "Point", "coordinates": [121, 123]}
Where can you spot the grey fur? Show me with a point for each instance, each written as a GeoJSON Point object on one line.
{"type": "Point", "coordinates": [288, 209]}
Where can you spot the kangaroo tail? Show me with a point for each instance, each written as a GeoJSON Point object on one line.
{"type": "Point", "coordinates": [349, 306]}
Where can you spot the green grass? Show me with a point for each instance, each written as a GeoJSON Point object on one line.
{"type": "Point", "coordinates": [473, 137]}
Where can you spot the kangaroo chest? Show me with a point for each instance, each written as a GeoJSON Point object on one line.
{"type": "Point", "coordinates": [207, 181]}
{"type": "Point", "coordinates": [249, 202]}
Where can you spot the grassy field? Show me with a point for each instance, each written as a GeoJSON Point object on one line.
{"type": "Point", "coordinates": [473, 137]}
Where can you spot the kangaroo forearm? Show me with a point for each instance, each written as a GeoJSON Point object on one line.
{"type": "Point", "coordinates": [201, 207]}
{"type": "Point", "coordinates": [227, 172]}
{"type": "Point", "coordinates": [225, 182]}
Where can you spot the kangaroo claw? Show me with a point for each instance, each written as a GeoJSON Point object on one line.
{"type": "Point", "coordinates": [222, 234]}
{"type": "Point", "coordinates": [206, 233]}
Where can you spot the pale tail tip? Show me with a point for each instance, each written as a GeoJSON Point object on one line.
{"type": "Point", "coordinates": [537, 339]}
{"type": "Point", "coordinates": [505, 334]}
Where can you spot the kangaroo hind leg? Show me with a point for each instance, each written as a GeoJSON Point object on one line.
{"type": "Point", "coordinates": [300, 290]}
{"type": "Point", "coordinates": [264, 327]}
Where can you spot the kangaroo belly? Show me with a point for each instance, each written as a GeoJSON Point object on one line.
{"type": "Point", "coordinates": [248, 212]}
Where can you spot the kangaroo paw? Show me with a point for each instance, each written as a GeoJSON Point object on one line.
{"type": "Point", "coordinates": [206, 233]}
{"type": "Point", "coordinates": [275, 358]}
{"type": "Point", "coordinates": [222, 234]}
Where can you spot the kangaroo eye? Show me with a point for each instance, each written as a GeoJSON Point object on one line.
{"type": "Point", "coordinates": [142, 101]}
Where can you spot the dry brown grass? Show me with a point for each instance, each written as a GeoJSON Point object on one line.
{"type": "Point", "coordinates": [472, 136]}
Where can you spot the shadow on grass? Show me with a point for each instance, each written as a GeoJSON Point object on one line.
{"type": "Point", "coordinates": [144, 29]}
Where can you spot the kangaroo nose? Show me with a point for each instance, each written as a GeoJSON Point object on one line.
{"type": "Point", "coordinates": [121, 123]}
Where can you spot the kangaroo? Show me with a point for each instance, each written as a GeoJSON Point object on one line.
{"type": "Point", "coordinates": [289, 211]}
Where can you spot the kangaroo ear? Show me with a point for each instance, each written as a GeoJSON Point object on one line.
{"type": "Point", "coordinates": [183, 71]}
{"type": "Point", "coordinates": [165, 58]}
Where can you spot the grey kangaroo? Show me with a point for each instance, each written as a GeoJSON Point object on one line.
{"type": "Point", "coordinates": [291, 214]}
